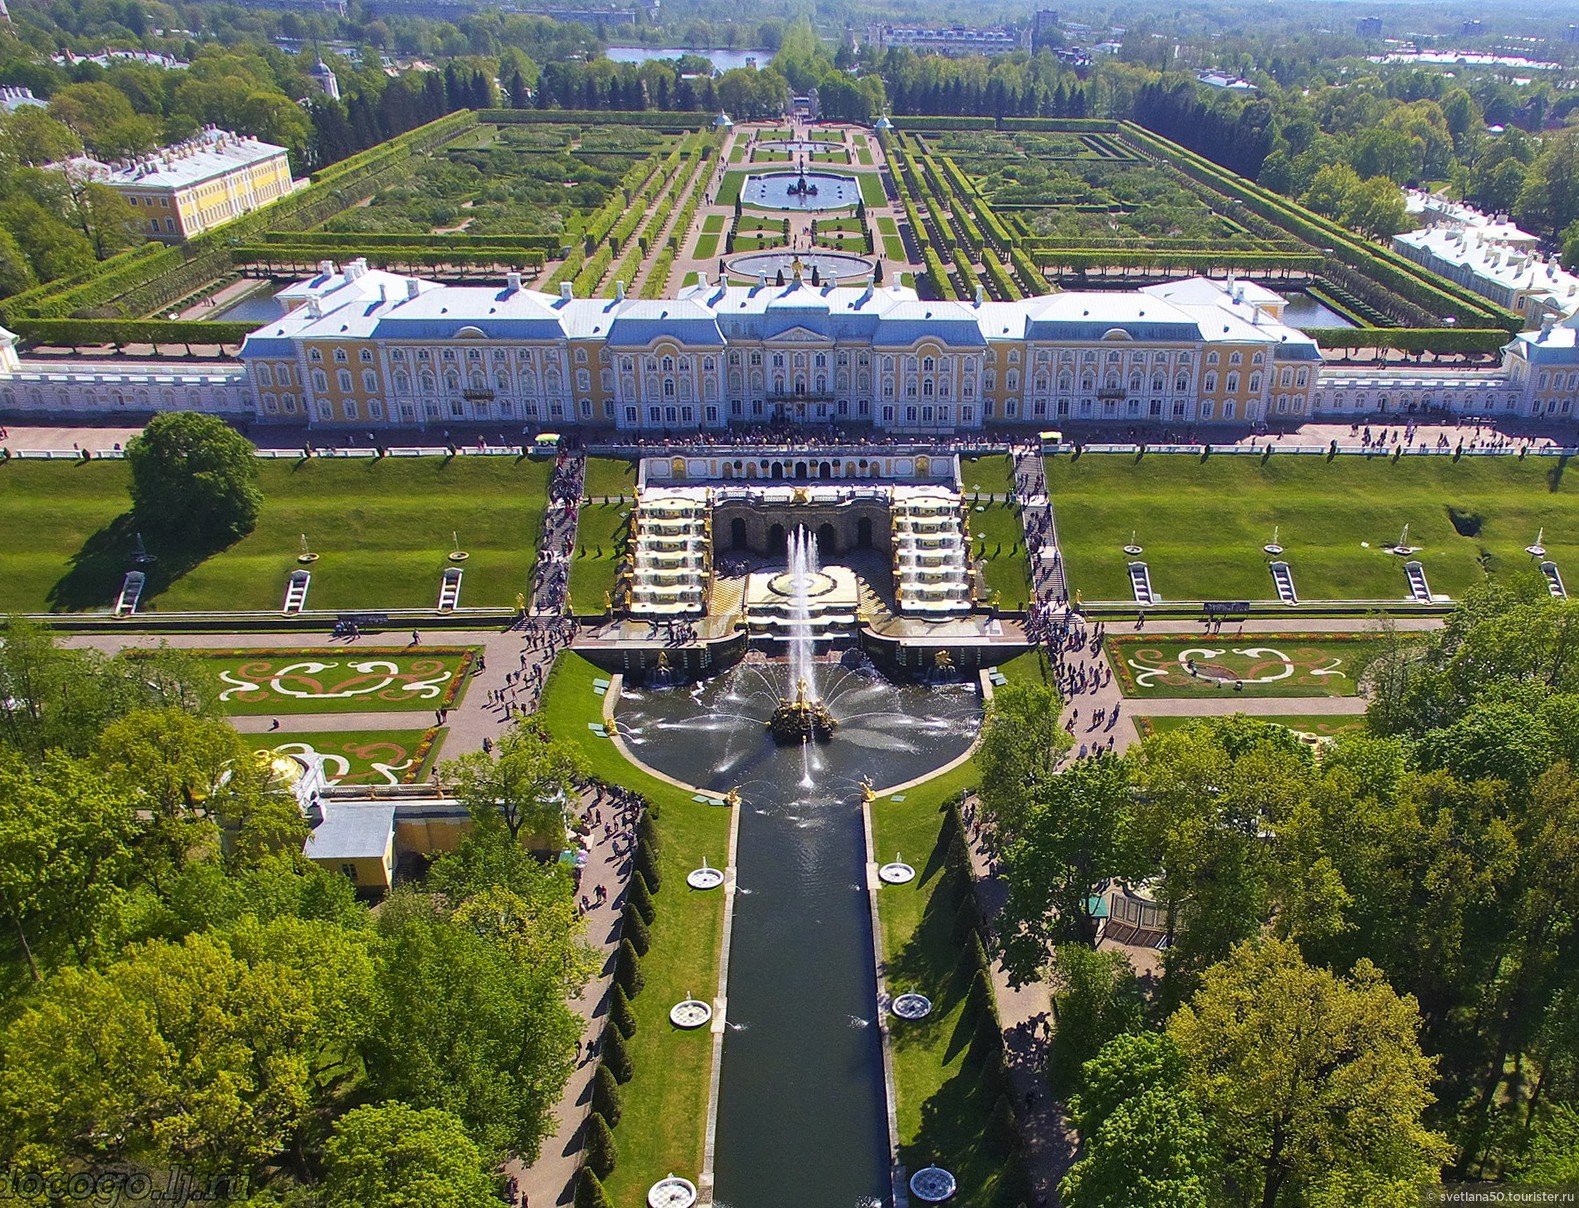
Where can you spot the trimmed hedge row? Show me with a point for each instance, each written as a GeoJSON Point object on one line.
{"type": "Point", "coordinates": [1412, 339]}
{"type": "Point", "coordinates": [661, 119]}
{"type": "Point", "coordinates": [386, 257]}
{"type": "Point", "coordinates": [1410, 281]}
{"type": "Point", "coordinates": [80, 333]}
{"type": "Point", "coordinates": [1200, 261]}
{"type": "Point", "coordinates": [332, 241]}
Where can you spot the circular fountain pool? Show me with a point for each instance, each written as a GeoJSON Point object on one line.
{"type": "Point", "coordinates": [831, 267]}
{"type": "Point", "coordinates": [785, 191]}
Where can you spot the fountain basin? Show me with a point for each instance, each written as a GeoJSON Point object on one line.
{"type": "Point", "coordinates": [932, 1184]}
{"type": "Point", "coordinates": [782, 191]}
{"type": "Point", "coordinates": [672, 1192]}
{"type": "Point", "coordinates": [691, 1014]}
{"type": "Point", "coordinates": [911, 1006]}
{"type": "Point", "coordinates": [896, 872]}
{"type": "Point", "coordinates": [705, 878]}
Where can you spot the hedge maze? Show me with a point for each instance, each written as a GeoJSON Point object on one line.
{"type": "Point", "coordinates": [586, 198]}
{"type": "Point", "coordinates": [1007, 209]}
{"type": "Point", "coordinates": [1009, 206]}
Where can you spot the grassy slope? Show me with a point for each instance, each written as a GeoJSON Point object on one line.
{"type": "Point", "coordinates": [998, 536]}
{"type": "Point", "coordinates": [942, 1112]}
{"type": "Point", "coordinates": [665, 1104]}
{"type": "Point", "coordinates": [1203, 524]}
{"type": "Point", "coordinates": [382, 530]}
{"type": "Point", "coordinates": [600, 536]}
{"type": "Point", "coordinates": [610, 476]}
{"type": "Point", "coordinates": [989, 474]}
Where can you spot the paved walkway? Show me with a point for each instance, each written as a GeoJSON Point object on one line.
{"type": "Point", "coordinates": [1051, 1144]}
{"type": "Point", "coordinates": [551, 1179]}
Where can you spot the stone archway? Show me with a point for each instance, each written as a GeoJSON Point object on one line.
{"type": "Point", "coordinates": [776, 472]}
{"type": "Point", "coordinates": [777, 543]}
{"type": "Point", "coordinates": [737, 533]}
{"type": "Point", "coordinates": [825, 471]}
{"type": "Point", "coordinates": [827, 539]}
{"type": "Point", "coordinates": [863, 532]}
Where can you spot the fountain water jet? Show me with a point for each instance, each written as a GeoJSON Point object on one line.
{"type": "Point", "coordinates": [806, 716]}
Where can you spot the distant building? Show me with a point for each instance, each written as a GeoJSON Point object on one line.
{"type": "Point", "coordinates": [957, 40]}
{"type": "Point", "coordinates": [14, 97]}
{"type": "Point", "coordinates": [109, 58]}
{"type": "Point", "coordinates": [589, 14]}
{"type": "Point", "coordinates": [1045, 33]}
{"type": "Point", "coordinates": [1571, 34]}
{"type": "Point", "coordinates": [1491, 256]}
{"type": "Point", "coordinates": [181, 191]}
{"type": "Point", "coordinates": [1471, 29]}
{"type": "Point", "coordinates": [323, 76]}
{"type": "Point", "coordinates": [1226, 82]}
{"type": "Point", "coordinates": [1368, 27]}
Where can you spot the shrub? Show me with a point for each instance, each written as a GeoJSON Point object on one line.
{"type": "Point", "coordinates": [616, 1056]}
{"type": "Point", "coordinates": [602, 1153]}
{"type": "Point", "coordinates": [628, 973]}
{"type": "Point", "coordinates": [606, 1096]}
{"type": "Point", "coordinates": [1002, 1127]}
{"type": "Point", "coordinates": [635, 930]}
{"type": "Point", "coordinates": [647, 866]}
{"type": "Point", "coordinates": [590, 1193]}
{"type": "Point", "coordinates": [640, 896]}
{"type": "Point", "coordinates": [621, 1014]}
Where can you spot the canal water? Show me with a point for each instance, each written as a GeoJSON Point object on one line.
{"type": "Point", "coordinates": [801, 1105]}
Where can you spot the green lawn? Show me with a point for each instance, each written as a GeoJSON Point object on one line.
{"type": "Point", "coordinates": [998, 538]}
{"type": "Point", "coordinates": [610, 476]}
{"type": "Point", "coordinates": [938, 1091]}
{"type": "Point", "coordinates": [382, 530]}
{"type": "Point", "coordinates": [1324, 727]}
{"type": "Point", "coordinates": [375, 757]}
{"type": "Point", "coordinates": [1202, 524]}
{"type": "Point", "coordinates": [893, 245]}
{"type": "Point", "coordinates": [863, 152]}
{"type": "Point", "coordinates": [600, 536]}
{"type": "Point", "coordinates": [729, 188]}
{"type": "Point", "coordinates": [665, 1104]}
{"type": "Point", "coordinates": [1319, 665]}
{"type": "Point", "coordinates": [707, 240]}
{"type": "Point", "coordinates": [341, 679]}
{"type": "Point", "coordinates": [988, 474]}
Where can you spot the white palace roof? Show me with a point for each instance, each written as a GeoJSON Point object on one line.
{"type": "Point", "coordinates": [712, 315]}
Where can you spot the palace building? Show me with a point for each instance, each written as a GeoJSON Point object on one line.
{"type": "Point", "coordinates": [726, 354]}
{"type": "Point", "coordinates": [365, 348]}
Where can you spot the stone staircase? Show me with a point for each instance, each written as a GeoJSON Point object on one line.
{"type": "Point", "coordinates": [1036, 516]}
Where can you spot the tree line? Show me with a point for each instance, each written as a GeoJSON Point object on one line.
{"type": "Point", "coordinates": [1394, 912]}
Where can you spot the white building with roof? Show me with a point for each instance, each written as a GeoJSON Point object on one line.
{"type": "Point", "coordinates": [181, 191]}
{"type": "Point", "coordinates": [360, 347]}
{"type": "Point", "coordinates": [14, 97]}
{"type": "Point", "coordinates": [1489, 255]}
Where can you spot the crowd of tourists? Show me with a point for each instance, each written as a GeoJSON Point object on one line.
{"type": "Point", "coordinates": [551, 575]}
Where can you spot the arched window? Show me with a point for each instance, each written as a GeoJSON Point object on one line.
{"type": "Point", "coordinates": [1232, 383]}
{"type": "Point", "coordinates": [1255, 383]}
{"type": "Point", "coordinates": [1210, 383]}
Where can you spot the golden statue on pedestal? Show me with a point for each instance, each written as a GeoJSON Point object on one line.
{"type": "Point", "coordinates": [868, 793]}
{"type": "Point", "coordinates": [732, 797]}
